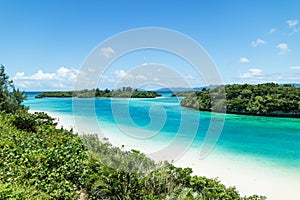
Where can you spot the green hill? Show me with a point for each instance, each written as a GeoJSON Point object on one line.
{"type": "Point", "coordinates": [267, 99]}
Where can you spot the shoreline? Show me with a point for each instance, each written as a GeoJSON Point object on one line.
{"type": "Point", "coordinates": [273, 115]}
{"type": "Point", "coordinates": [248, 176]}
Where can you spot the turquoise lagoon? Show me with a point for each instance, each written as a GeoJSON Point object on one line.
{"type": "Point", "coordinates": [259, 155]}
{"type": "Point", "coordinates": [275, 141]}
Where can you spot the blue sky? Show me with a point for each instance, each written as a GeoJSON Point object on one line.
{"type": "Point", "coordinates": [44, 43]}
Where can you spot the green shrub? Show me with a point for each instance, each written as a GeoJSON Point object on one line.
{"type": "Point", "coordinates": [30, 122]}
{"type": "Point", "coordinates": [15, 192]}
{"type": "Point", "coordinates": [50, 160]}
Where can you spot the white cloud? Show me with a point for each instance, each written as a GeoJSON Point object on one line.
{"type": "Point", "coordinates": [295, 67]}
{"type": "Point", "coordinates": [189, 76]}
{"type": "Point", "coordinates": [272, 30]}
{"type": "Point", "coordinates": [120, 73]}
{"type": "Point", "coordinates": [256, 75]}
{"type": "Point", "coordinates": [107, 52]}
{"type": "Point", "coordinates": [63, 72]}
{"type": "Point", "coordinates": [63, 79]}
{"type": "Point", "coordinates": [282, 77]}
{"type": "Point", "coordinates": [67, 73]}
{"type": "Point", "coordinates": [252, 73]}
{"type": "Point", "coordinates": [19, 75]}
{"type": "Point", "coordinates": [244, 60]}
{"type": "Point", "coordinates": [283, 48]}
{"type": "Point", "coordinates": [258, 42]}
{"type": "Point", "coordinates": [276, 78]}
{"type": "Point", "coordinates": [141, 77]}
{"type": "Point", "coordinates": [40, 75]}
{"type": "Point", "coordinates": [293, 25]}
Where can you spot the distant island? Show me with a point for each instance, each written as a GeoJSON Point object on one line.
{"type": "Point", "coordinates": [125, 92]}
{"type": "Point", "coordinates": [269, 99]}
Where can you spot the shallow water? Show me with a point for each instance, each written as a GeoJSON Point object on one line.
{"type": "Point", "coordinates": [161, 121]}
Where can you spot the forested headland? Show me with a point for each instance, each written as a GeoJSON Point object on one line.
{"type": "Point", "coordinates": [269, 99]}
{"type": "Point", "coordinates": [125, 92]}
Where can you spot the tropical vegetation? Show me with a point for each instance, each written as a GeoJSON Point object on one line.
{"type": "Point", "coordinates": [269, 99]}
{"type": "Point", "coordinates": [39, 161]}
{"type": "Point", "coordinates": [10, 97]}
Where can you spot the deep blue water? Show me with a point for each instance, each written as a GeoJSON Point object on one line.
{"type": "Point", "coordinates": [273, 140]}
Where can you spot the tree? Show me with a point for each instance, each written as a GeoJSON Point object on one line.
{"type": "Point", "coordinates": [97, 94]}
{"type": "Point", "coordinates": [10, 98]}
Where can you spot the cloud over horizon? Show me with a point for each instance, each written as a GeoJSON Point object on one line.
{"type": "Point", "coordinates": [252, 73]}
{"type": "Point", "coordinates": [256, 76]}
{"type": "Point", "coordinates": [63, 78]}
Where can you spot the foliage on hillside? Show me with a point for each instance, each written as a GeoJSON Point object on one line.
{"type": "Point", "coordinates": [126, 92]}
{"type": "Point", "coordinates": [39, 161]}
{"type": "Point", "coordinates": [117, 174]}
{"type": "Point", "coordinates": [51, 163]}
{"type": "Point", "coordinates": [56, 164]}
{"type": "Point", "coordinates": [40, 156]}
{"type": "Point", "coordinates": [268, 99]}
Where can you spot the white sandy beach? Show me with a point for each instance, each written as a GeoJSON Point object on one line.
{"type": "Point", "coordinates": [249, 176]}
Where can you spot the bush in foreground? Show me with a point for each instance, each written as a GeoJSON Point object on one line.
{"type": "Point", "coordinates": [57, 164]}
